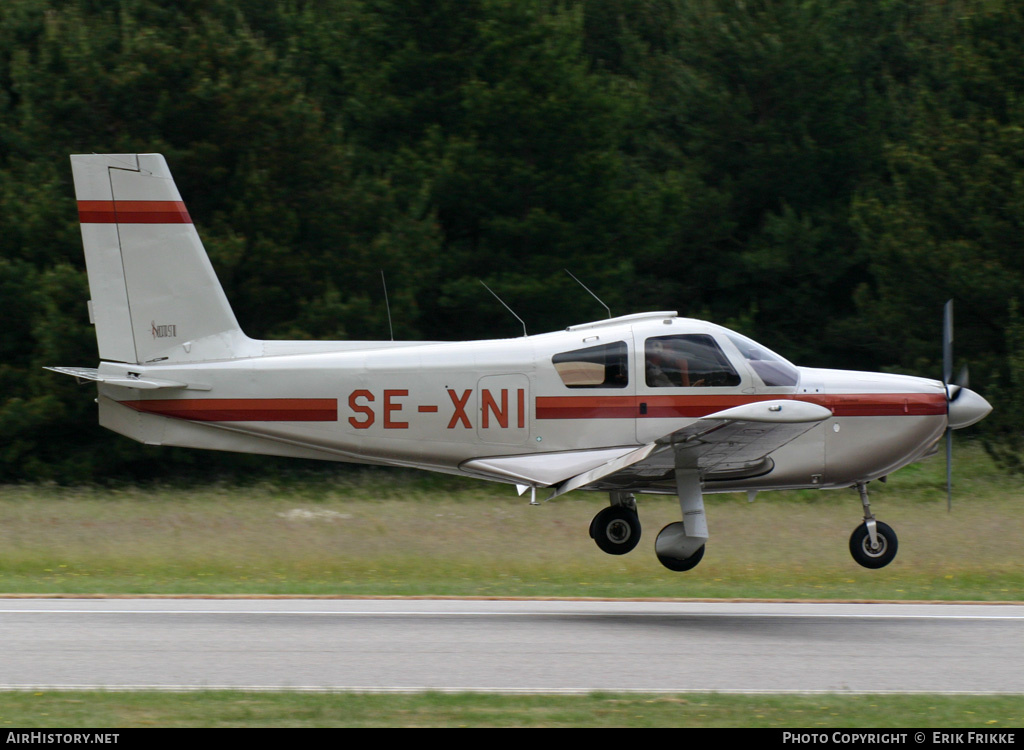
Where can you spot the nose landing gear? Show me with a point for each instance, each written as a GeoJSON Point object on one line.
{"type": "Point", "coordinates": [873, 544]}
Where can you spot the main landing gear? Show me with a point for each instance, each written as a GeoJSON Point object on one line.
{"type": "Point", "coordinates": [674, 551]}
{"type": "Point", "coordinates": [616, 529]}
{"type": "Point", "coordinates": [873, 544]}
{"type": "Point", "coordinates": [679, 546]}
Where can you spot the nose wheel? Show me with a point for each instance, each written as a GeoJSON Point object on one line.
{"type": "Point", "coordinates": [873, 544]}
{"type": "Point", "coordinates": [877, 553]}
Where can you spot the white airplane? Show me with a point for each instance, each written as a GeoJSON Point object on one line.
{"type": "Point", "coordinates": [642, 404]}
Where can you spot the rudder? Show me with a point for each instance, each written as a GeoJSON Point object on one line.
{"type": "Point", "coordinates": [155, 295]}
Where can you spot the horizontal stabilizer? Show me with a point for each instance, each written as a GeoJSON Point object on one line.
{"type": "Point", "coordinates": [125, 380]}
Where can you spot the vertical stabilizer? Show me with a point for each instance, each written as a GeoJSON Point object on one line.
{"type": "Point", "coordinates": [155, 296]}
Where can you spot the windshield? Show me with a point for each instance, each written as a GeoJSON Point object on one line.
{"type": "Point", "coordinates": [773, 370]}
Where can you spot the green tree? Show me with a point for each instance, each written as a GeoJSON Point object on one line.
{"type": "Point", "coordinates": [263, 173]}
{"type": "Point", "coordinates": [945, 223]}
{"type": "Point", "coordinates": [1001, 432]}
{"type": "Point", "coordinates": [486, 117]}
{"type": "Point", "coordinates": [761, 121]}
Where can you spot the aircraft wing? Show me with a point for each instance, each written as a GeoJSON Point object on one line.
{"type": "Point", "coordinates": [730, 440]}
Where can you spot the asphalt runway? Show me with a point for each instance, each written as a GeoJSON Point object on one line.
{"type": "Point", "coordinates": [510, 646]}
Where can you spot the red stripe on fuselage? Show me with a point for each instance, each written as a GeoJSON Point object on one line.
{"type": "Point", "coordinates": [885, 404]}
{"type": "Point", "coordinates": [586, 407]}
{"type": "Point", "coordinates": [242, 409]}
{"type": "Point", "coordinates": [133, 212]}
{"type": "Point", "coordinates": [551, 407]}
{"type": "Point", "coordinates": [696, 406]}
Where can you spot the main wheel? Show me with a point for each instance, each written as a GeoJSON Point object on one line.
{"type": "Point", "coordinates": [673, 532]}
{"type": "Point", "coordinates": [873, 557]}
{"type": "Point", "coordinates": [616, 529]}
{"type": "Point", "coordinates": [680, 566]}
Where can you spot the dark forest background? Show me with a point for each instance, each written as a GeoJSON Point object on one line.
{"type": "Point", "coordinates": [821, 175]}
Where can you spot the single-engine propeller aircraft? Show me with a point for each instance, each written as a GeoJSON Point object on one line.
{"type": "Point", "coordinates": [646, 403]}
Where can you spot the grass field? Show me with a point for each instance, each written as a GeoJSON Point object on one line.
{"type": "Point", "coordinates": [378, 533]}
{"type": "Point", "coordinates": [29, 710]}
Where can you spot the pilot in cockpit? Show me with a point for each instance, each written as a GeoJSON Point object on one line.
{"type": "Point", "coordinates": [663, 366]}
{"type": "Point", "coordinates": [667, 367]}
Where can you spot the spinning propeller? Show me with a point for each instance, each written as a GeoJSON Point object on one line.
{"type": "Point", "coordinates": [947, 373]}
{"type": "Point", "coordinates": [964, 407]}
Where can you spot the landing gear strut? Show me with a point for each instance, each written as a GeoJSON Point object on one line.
{"type": "Point", "coordinates": [873, 544]}
{"type": "Point", "coordinates": [616, 529]}
{"type": "Point", "coordinates": [680, 545]}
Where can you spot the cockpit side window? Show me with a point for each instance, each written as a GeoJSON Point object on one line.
{"type": "Point", "coordinates": [773, 370]}
{"type": "Point", "coordinates": [604, 366]}
{"type": "Point", "coordinates": [687, 361]}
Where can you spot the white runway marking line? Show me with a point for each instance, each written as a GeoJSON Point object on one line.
{"type": "Point", "coordinates": [562, 614]}
{"type": "Point", "coordinates": [411, 690]}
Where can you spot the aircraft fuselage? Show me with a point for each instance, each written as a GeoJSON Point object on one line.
{"type": "Point", "coordinates": [441, 405]}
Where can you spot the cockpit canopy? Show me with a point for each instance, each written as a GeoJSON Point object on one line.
{"type": "Point", "coordinates": [701, 358]}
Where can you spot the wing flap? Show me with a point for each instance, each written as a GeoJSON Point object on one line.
{"type": "Point", "coordinates": [542, 469]}
{"type": "Point", "coordinates": [634, 458]}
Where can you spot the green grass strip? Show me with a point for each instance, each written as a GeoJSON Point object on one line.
{"type": "Point", "coordinates": [41, 709]}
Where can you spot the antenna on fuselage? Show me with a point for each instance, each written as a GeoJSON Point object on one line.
{"type": "Point", "coordinates": [387, 304]}
{"type": "Point", "coordinates": [608, 309]}
{"type": "Point", "coordinates": [505, 306]}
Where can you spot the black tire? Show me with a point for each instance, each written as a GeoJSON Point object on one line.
{"type": "Point", "coordinates": [616, 530]}
{"type": "Point", "coordinates": [680, 566]}
{"type": "Point", "coordinates": [860, 546]}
